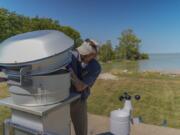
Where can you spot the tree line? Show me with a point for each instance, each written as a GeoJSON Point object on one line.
{"type": "Point", "coordinates": [12, 23]}
{"type": "Point", "coordinates": [127, 49]}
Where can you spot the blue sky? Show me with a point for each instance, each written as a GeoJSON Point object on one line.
{"type": "Point", "coordinates": [156, 22]}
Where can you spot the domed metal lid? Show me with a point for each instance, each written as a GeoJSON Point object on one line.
{"type": "Point", "coordinates": [33, 46]}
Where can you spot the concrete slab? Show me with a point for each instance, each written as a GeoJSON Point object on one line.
{"type": "Point", "coordinates": [99, 125]}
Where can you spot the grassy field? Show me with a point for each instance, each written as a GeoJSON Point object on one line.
{"type": "Point", "coordinates": [160, 94]}
{"type": "Point", "coordinates": [4, 111]}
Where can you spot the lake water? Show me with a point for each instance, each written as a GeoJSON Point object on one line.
{"type": "Point", "coordinates": [161, 62]}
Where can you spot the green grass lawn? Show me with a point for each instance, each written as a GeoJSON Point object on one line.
{"type": "Point", "coordinates": [4, 111]}
{"type": "Point", "coordinates": [160, 94]}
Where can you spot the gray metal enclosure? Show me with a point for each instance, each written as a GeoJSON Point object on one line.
{"type": "Point", "coordinates": [35, 65]}
{"type": "Point", "coordinates": [40, 120]}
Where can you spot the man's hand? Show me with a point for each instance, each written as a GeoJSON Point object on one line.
{"type": "Point", "coordinates": [79, 85]}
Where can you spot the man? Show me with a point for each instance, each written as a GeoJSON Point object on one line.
{"type": "Point", "coordinates": [84, 71]}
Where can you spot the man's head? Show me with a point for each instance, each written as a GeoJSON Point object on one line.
{"type": "Point", "coordinates": [88, 50]}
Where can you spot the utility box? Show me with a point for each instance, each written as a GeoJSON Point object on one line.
{"type": "Point", "coordinates": [35, 65]}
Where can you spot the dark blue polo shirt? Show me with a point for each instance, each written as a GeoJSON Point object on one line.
{"type": "Point", "coordinates": [87, 75]}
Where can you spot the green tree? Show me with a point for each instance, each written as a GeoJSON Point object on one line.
{"type": "Point", "coordinates": [106, 52]}
{"type": "Point", "coordinates": [12, 24]}
{"type": "Point", "coordinates": [73, 34]}
{"type": "Point", "coordinates": [128, 47]}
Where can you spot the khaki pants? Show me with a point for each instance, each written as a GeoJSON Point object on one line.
{"type": "Point", "coordinates": [79, 116]}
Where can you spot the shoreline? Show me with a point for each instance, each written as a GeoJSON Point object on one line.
{"type": "Point", "coordinates": [177, 72]}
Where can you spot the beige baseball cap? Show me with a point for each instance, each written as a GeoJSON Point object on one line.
{"type": "Point", "coordinates": [88, 46]}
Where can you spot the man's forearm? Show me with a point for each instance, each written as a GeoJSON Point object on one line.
{"type": "Point", "coordinates": [79, 85]}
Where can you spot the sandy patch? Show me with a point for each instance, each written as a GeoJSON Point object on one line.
{"type": "Point", "coordinates": [107, 76]}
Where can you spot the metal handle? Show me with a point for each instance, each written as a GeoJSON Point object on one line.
{"type": "Point", "coordinates": [19, 78]}
{"type": "Point", "coordinates": [25, 77]}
